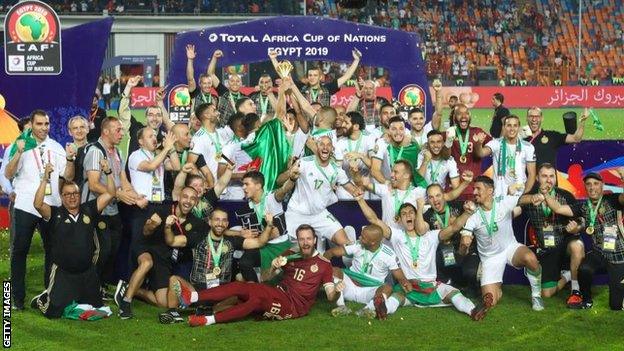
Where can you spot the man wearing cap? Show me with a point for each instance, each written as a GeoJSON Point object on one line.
{"type": "Point", "coordinates": [548, 142]}
{"type": "Point", "coordinates": [602, 214]}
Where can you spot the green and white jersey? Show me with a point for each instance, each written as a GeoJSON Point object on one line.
{"type": "Point", "coordinates": [392, 199]}
{"type": "Point", "coordinates": [488, 244]}
{"type": "Point", "coordinates": [209, 145]}
{"type": "Point", "coordinates": [318, 133]}
{"type": "Point", "coordinates": [437, 170]}
{"type": "Point", "coordinates": [376, 265]}
{"type": "Point", "coordinates": [420, 250]}
{"type": "Point", "coordinates": [516, 160]}
{"type": "Point", "coordinates": [364, 145]}
{"type": "Point", "coordinates": [315, 186]}
{"type": "Point", "coordinates": [268, 205]}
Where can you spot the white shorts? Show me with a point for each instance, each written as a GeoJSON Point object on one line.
{"type": "Point", "coordinates": [493, 267]}
{"type": "Point", "coordinates": [324, 223]}
{"type": "Point", "coordinates": [354, 293]}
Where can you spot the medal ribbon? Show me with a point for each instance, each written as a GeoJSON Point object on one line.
{"type": "Point", "coordinates": [314, 93]}
{"type": "Point", "coordinates": [545, 209]}
{"type": "Point", "coordinates": [503, 162]}
{"type": "Point", "coordinates": [216, 255]}
{"type": "Point", "coordinates": [333, 176]}
{"type": "Point", "coordinates": [492, 224]}
{"type": "Point", "coordinates": [447, 215]}
{"type": "Point", "coordinates": [357, 144]}
{"type": "Point", "coordinates": [260, 208]}
{"type": "Point", "coordinates": [397, 202]}
{"type": "Point", "coordinates": [414, 247]}
{"type": "Point", "coordinates": [593, 212]}
{"type": "Point", "coordinates": [433, 173]}
{"type": "Point", "coordinates": [463, 142]}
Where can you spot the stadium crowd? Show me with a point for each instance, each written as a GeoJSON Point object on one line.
{"type": "Point", "coordinates": [445, 230]}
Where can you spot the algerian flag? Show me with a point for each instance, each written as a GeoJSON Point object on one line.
{"type": "Point", "coordinates": [29, 142]}
{"type": "Point", "coordinates": [86, 312]}
{"type": "Point", "coordinates": [271, 150]}
{"type": "Point", "coordinates": [410, 154]}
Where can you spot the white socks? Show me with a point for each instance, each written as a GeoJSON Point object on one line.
{"type": "Point", "coordinates": [574, 285]}
{"type": "Point", "coordinates": [535, 280]}
{"type": "Point", "coordinates": [194, 296]}
{"type": "Point", "coordinates": [392, 304]}
{"type": "Point", "coordinates": [462, 303]}
{"type": "Point", "coordinates": [340, 301]}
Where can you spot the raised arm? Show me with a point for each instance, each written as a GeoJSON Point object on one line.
{"type": "Point", "coordinates": [190, 71]}
{"type": "Point", "coordinates": [224, 179]}
{"type": "Point", "coordinates": [70, 167]}
{"type": "Point", "coordinates": [580, 129]}
{"type": "Point", "coordinates": [372, 218]}
{"type": "Point", "coordinates": [375, 170]}
{"type": "Point", "coordinates": [255, 243]}
{"type": "Point", "coordinates": [357, 55]}
{"type": "Point", "coordinates": [467, 177]}
{"type": "Point", "coordinates": [154, 163]}
{"type": "Point", "coordinates": [212, 66]}
{"type": "Point", "coordinates": [436, 119]}
{"type": "Point", "coordinates": [160, 97]}
{"type": "Point", "coordinates": [106, 197]}
{"type": "Point", "coordinates": [289, 184]}
{"type": "Point", "coordinates": [11, 167]}
{"type": "Point", "coordinates": [41, 207]}
{"type": "Point", "coordinates": [421, 225]}
{"type": "Point", "coordinates": [480, 150]}
{"type": "Point", "coordinates": [459, 223]}
{"type": "Point", "coordinates": [124, 113]}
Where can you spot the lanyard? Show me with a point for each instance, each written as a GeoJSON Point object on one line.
{"type": "Point", "coordinates": [264, 104]}
{"type": "Point", "coordinates": [232, 101]}
{"type": "Point", "coordinates": [39, 159]}
{"type": "Point", "coordinates": [504, 162]}
{"type": "Point", "coordinates": [157, 172]}
{"type": "Point", "coordinates": [414, 247]}
{"type": "Point", "coordinates": [216, 255]}
{"type": "Point", "coordinates": [535, 137]}
{"type": "Point", "coordinates": [491, 227]}
{"type": "Point", "coordinates": [367, 261]}
{"type": "Point", "coordinates": [433, 173]}
{"type": "Point", "coordinates": [447, 214]}
{"type": "Point", "coordinates": [357, 144]}
{"type": "Point", "coordinates": [593, 212]}
{"type": "Point", "coordinates": [260, 208]}
{"type": "Point", "coordinates": [545, 209]}
{"type": "Point", "coordinates": [314, 93]}
{"type": "Point", "coordinates": [333, 176]}
{"type": "Point", "coordinates": [397, 202]}
{"type": "Point", "coordinates": [463, 142]}
{"type": "Point", "coordinates": [177, 222]}
{"type": "Point", "coordinates": [183, 156]}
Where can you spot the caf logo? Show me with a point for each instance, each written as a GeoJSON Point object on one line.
{"type": "Point", "coordinates": [180, 96]}
{"type": "Point", "coordinates": [412, 95]}
{"type": "Point", "coordinates": [32, 22]}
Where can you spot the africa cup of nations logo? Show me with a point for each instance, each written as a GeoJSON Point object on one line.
{"type": "Point", "coordinates": [32, 39]}
{"type": "Point", "coordinates": [179, 104]}
{"type": "Point", "coordinates": [412, 95]}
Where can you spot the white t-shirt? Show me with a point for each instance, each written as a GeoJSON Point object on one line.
{"type": "Point", "coordinates": [524, 156]}
{"type": "Point", "coordinates": [241, 159]}
{"type": "Point", "coordinates": [487, 245]}
{"type": "Point", "coordinates": [271, 205]}
{"type": "Point", "coordinates": [314, 190]}
{"type": "Point", "coordinates": [427, 247]}
{"type": "Point", "coordinates": [381, 152]}
{"type": "Point", "coordinates": [380, 263]}
{"type": "Point", "coordinates": [392, 199]}
{"type": "Point", "coordinates": [30, 169]}
{"type": "Point", "coordinates": [5, 184]}
{"type": "Point", "coordinates": [150, 184]}
{"type": "Point", "coordinates": [207, 145]}
{"type": "Point", "coordinates": [298, 143]}
{"type": "Point", "coordinates": [365, 145]}
{"type": "Point", "coordinates": [439, 169]}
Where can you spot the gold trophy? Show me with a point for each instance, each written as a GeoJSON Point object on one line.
{"type": "Point", "coordinates": [284, 68]}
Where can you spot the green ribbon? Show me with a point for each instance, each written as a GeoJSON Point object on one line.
{"type": "Point", "coordinates": [593, 212]}
{"type": "Point", "coordinates": [206, 101]}
{"type": "Point", "coordinates": [503, 161]}
{"type": "Point", "coordinates": [260, 208]}
{"type": "Point", "coordinates": [357, 144]}
{"type": "Point", "coordinates": [414, 247]}
{"type": "Point", "coordinates": [397, 202]}
{"type": "Point", "coordinates": [264, 104]}
{"type": "Point", "coordinates": [491, 226]}
{"type": "Point", "coordinates": [433, 173]}
{"type": "Point", "coordinates": [447, 215]}
{"type": "Point", "coordinates": [333, 176]}
{"type": "Point", "coordinates": [463, 142]}
{"type": "Point", "coordinates": [216, 254]}
{"type": "Point", "coordinates": [314, 93]}
{"type": "Point", "coordinates": [545, 209]}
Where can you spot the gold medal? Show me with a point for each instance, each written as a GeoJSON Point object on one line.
{"type": "Point", "coordinates": [102, 225]}
{"type": "Point", "coordinates": [544, 139]}
{"type": "Point", "coordinates": [415, 264]}
{"type": "Point", "coordinates": [512, 173]}
{"type": "Point", "coordinates": [462, 159]}
{"type": "Point", "coordinates": [216, 271]}
{"type": "Point", "coordinates": [218, 156]}
{"type": "Point", "coordinates": [86, 219]}
{"type": "Point", "coordinates": [590, 230]}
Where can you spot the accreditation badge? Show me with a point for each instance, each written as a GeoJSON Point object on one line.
{"type": "Point", "coordinates": [48, 189]}
{"type": "Point", "coordinates": [448, 253]}
{"type": "Point", "coordinates": [157, 195]}
{"type": "Point", "coordinates": [549, 236]}
{"type": "Point", "coordinates": [609, 238]}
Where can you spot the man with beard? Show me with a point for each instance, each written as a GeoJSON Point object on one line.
{"type": "Point", "coordinates": [156, 116]}
{"type": "Point", "coordinates": [602, 214]}
{"type": "Point", "coordinates": [363, 282]}
{"type": "Point", "coordinates": [73, 246]}
{"type": "Point", "coordinates": [354, 149]}
{"type": "Point", "coordinates": [366, 102]}
{"type": "Point", "coordinates": [394, 146]}
{"type": "Point", "coordinates": [386, 112]}
{"type": "Point", "coordinates": [262, 202]}
{"type": "Point", "coordinates": [463, 137]}
{"type": "Point", "coordinates": [416, 252]}
{"type": "Point", "coordinates": [315, 91]}
{"type": "Point", "coordinates": [452, 102]}
{"type": "Point", "coordinates": [96, 116]}
{"type": "Point", "coordinates": [341, 115]}
{"type": "Point", "coordinates": [314, 192]}
{"type": "Point", "coordinates": [419, 130]}
{"type": "Point", "coordinates": [228, 96]}
{"type": "Point", "coordinates": [292, 298]}
{"type": "Point", "coordinates": [548, 142]}
{"type": "Point", "coordinates": [497, 246]}
{"type": "Point", "coordinates": [155, 257]}
{"type": "Point", "coordinates": [554, 240]}
{"type": "Point", "coordinates": [513, 159]}
{"type": "Point", "coordinates": [500, 112]}
{"type": "Point", "coordinates": [204, 93]}
{"type": "Point", "coordinates": [435, 162]}
{"type": "Point", "coordinates": [213, 257]}
{"type": "Point", "coordinates": [264, 99]}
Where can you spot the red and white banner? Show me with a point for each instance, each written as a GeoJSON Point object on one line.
{"type": "Point", "coordinates": [142, 97]}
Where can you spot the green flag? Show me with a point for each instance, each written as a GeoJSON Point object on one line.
{"type": "Point", "coordinates": [410, 154]}
{"type": "Point", "coordinates": [595, 120]}
{"type": "Point", "coordinates": [29, 142]}
{"type": "Point", "coordinates": [271, 147]}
